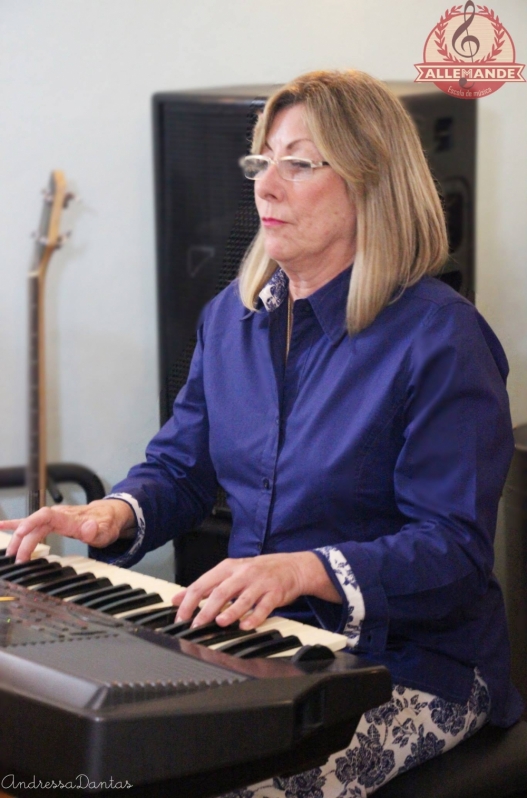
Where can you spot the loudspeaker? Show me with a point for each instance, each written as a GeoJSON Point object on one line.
{"type": "Point", "coordinates": [206, 217]}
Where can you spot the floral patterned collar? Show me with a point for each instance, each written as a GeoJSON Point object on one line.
{"type": "Point", "coordinates": [275, 291]}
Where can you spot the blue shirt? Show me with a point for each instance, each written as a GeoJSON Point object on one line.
{"type": "Point", "coordinates": [385, 452]}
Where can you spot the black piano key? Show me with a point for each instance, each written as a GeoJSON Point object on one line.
{"type": "Point", "coordinates": [153, 619]}
{"type": "Point", "coordinates": [23, 574]}
{"type": "Point", "coordinates": [266, 649]}
{"type": "Point", "coordinates": [94, 594]}
{"type": "Point", "coordinates": [204, 629]}
{"type": "Point", "coordinates": [2, 552]}
{"type": "Point", "coordinates": [233, 634]}
{"type": "Point", "coordinates": [210, 638]}
{"type": "Point", "coordinates": [79, 587]}
{"type": "Point", "coordinates": [38, 575]}
{"type": "Point", "coordinates": [211, 633]}
{"type": "Point", "coordinates": [102, 598]}
{"type": "Point", "coordinates": [51, 576]}
{"type": "Point", "coordinates": [125, 603]}
{"type": "Point", "coordinates": [65, 581]}
{"type": "Point", "coordinates": [258, 637]}
{"type": "Point", "coordinates": [10, 570]}
{"type": "Point", "coordinates": [175, 628]}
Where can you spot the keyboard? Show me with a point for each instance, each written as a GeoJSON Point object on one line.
{"type": "Point", "coordinates": [92, 660]}
{"type": "Point", "coordinates": [306, 634]}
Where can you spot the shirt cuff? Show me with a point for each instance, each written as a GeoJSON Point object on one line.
{"type": "Point", "coordinates": [342, 576]}
{"type": "Point", "coordinates": [115, 552]}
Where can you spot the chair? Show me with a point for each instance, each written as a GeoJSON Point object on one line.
{"type": "Point", "coordinates": [491, 764]}
{"type": "Point", "coordinates": [15, 477]}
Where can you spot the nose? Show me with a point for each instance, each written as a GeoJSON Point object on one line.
{"type": "Point", "coordinates": [270, 185]}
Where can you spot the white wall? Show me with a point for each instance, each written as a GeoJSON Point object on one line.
{"type": "Point", "coordinates": [76, 77]}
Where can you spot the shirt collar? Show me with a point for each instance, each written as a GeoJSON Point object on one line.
{"type": "Point", "coordinates": [328, 303]}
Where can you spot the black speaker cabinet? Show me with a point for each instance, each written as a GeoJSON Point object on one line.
{"type": "Point", "coordinates": [206, 219]}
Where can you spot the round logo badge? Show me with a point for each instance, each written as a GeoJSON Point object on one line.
{"type": "Point", "coordinates": [469, 53]}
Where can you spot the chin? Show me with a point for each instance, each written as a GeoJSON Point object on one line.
{"type": "Point", "coordinates": [275, 248]}
{"type": "Point", "coordinates": [280, 254]}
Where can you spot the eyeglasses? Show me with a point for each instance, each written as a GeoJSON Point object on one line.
{"type": "Point", "coordinates": [290, 168]}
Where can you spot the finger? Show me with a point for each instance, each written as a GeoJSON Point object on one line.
{"type": "Point", "coordinates": [202, 589]}
{"type": "Point", "coordinates": [29, 533]}
{"type": "Point", "coordinates": [250, 609]}
{"type": "Point", "coordinates": [88, 531]}
{"type": "Point", "coordinates": [239, 608]}
{"type": "Point", "coordinates": [14, 543]}
{"type": "Point", "coordinates": [233, 597]}
{"type": "Point", "coordinates": [178, 598]}
{"type": "Point", "coordinates": [23, 546]}
{"type": "Point", "coordinates": [260, 612]}
{"type": "Point", "coordinates": [189, 602]}
{"type": "Point", "coordinates": [10, 524]}
{"type": "Point", "coordinates": [73, 522]}
{"type": "Point", "coordinates": [33, 529]}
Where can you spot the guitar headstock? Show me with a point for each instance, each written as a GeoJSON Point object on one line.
{"type": "Point", "coordinates": [48, 237]}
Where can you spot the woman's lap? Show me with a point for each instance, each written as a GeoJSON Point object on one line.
{"type": "Point", "coordinates": [406, 731]}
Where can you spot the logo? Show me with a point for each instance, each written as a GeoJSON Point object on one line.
{"type": "Point", "coordinates": [469, 54]}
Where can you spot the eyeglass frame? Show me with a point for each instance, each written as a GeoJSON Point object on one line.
{"type": "Point", "coordinates": [266, 159]}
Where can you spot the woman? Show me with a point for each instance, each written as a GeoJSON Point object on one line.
{"type": "Point", "coordinates": [354, 410]}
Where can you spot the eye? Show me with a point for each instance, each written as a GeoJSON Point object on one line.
{"type": "Point", "coordinates": [296, 168]}
{"type": "Point", "coordinates": [300, 165]}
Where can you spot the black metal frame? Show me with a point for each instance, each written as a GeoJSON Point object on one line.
{"type": "Point", "coordinates": [15, 477]}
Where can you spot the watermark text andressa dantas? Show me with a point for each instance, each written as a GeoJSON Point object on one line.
{"type": "Point", "coordinates": [80, 782]}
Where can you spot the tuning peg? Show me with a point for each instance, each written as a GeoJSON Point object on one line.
{"type": "Point", "coordinates": [39, 238]}
{"type": "Point", "coordinates": [63, 238]}
{"type": "Point", "coordinates": [68, 197]}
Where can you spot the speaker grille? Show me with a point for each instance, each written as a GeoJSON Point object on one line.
{"type": "Point", "coordinates": [206, 219]}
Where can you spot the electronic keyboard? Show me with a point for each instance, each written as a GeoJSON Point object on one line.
{"type": "Point", "coordinates": [98, 679]}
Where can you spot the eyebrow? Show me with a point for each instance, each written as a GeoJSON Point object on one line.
{"type": "Point", "coordinates": [292, 143]}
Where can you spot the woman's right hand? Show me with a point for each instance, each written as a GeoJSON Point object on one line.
{"type": "Point", "coordinates": [98, 524]}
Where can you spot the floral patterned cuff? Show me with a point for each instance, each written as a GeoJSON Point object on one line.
{"type": "Point", "coordinates": [140, 524]}
{"type": "Point", "coordinates": [351, 590]}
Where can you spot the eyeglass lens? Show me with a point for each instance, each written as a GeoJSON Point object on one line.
{"type": "Point", "coordinates": [288, 168]}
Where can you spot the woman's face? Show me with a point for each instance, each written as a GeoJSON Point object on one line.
{"type": "Point", "coordinates": [308, 224]}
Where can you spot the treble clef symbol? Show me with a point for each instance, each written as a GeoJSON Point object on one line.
{"type": "Point", "coordinates": [468, 39]}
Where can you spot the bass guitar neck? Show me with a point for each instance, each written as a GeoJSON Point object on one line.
{"type": "Point", "coordinates": [48, 239]}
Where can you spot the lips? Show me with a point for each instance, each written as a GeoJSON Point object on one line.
{"type": "Point", "coordinates": [270, 221]}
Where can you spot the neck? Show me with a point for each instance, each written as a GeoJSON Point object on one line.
{"type": "Point", "coordinates": [303, 282]}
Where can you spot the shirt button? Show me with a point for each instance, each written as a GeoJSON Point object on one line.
{"type": "Point", "coordinates": [265, 483]}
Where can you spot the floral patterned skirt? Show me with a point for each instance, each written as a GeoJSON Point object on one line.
{"type": "Point", "coordinates": [409, 729]}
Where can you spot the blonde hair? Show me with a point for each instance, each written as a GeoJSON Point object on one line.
{"type": "Point", "coordinates": [369, 139]}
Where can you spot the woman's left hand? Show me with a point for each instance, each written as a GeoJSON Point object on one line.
{"type": "Point", "coordinates": [255, 586]}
